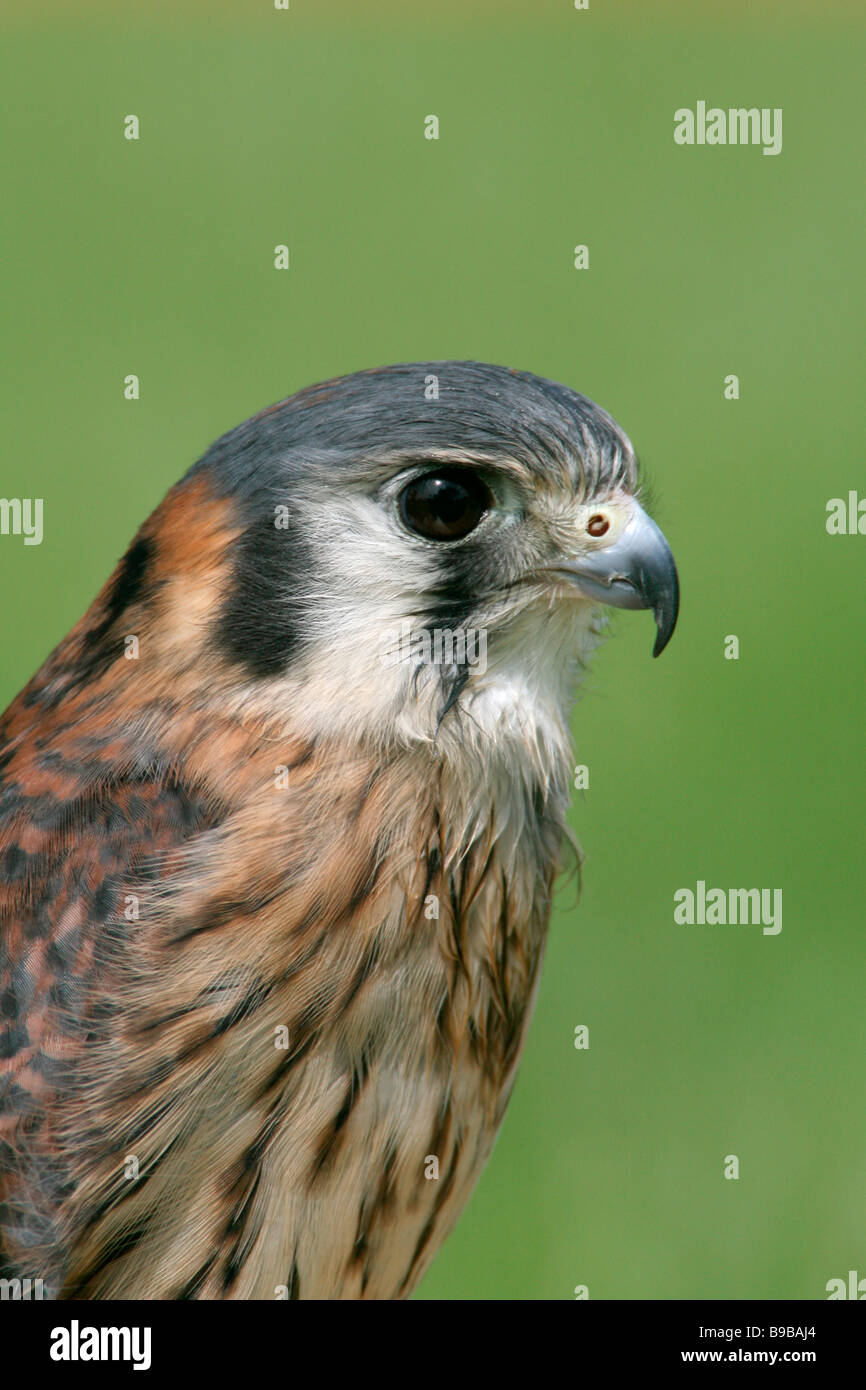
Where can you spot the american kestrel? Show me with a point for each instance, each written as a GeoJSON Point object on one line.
{"type": "Point", "coordinates": [279, 824]}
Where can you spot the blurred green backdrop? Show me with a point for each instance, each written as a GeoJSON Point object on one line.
{"type": "Point", "coordinates": [306, 127]}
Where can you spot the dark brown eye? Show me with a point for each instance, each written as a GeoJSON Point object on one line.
{"type": "Point", "coordinates": [444, 505]}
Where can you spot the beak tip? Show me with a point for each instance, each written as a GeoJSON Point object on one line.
{"type": "Point", "coordinates": [666, 621]}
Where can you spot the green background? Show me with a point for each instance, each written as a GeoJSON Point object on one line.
{"type": "Point", "coordinates": [306, 127]}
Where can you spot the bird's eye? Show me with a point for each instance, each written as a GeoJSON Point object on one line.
{"type": "Point", "coordinates": [598, 525]}
{"type": "Point", "coordinates": [444, 505]}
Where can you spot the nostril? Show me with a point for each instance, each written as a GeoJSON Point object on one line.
{"type": "Point", "coordinates": [598, 525]}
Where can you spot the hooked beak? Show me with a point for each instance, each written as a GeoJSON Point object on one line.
{"type": "Point", "coordinates": [636, 570]}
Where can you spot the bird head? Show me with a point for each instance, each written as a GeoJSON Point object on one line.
{"type": "Point", "coordinates": [423, 540]}
{"type": "Point", "coordinates": [413, 555]}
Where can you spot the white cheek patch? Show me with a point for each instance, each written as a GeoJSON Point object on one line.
{"type": "Point", "coordinates": [370, 582]}
{"type": "Point", "coordinates": [362, 598]}
{"type": "Point", "coordinates": [365, 674]}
